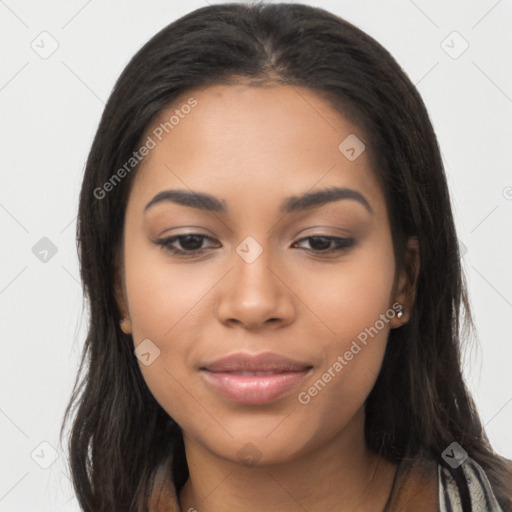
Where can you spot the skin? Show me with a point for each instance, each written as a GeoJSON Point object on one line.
{"type": "Point", "coordinates": [253, 147]}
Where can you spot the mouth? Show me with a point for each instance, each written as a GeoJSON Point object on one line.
{"type": "Point", "coordinates": [254, 379]}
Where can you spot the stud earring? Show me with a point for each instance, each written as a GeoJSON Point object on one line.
{"type": "Point", "coordinates": [400, 313]}
{"type": "Point", "coordinates": [126, 325]}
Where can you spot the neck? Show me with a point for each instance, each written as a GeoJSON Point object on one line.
{"type": "Point", "coordinates": [341, 475]}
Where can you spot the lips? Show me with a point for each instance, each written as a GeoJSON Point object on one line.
{"type": "Point", "coordinates": [254, 379]}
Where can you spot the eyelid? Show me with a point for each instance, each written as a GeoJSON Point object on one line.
{"type": "Point", "coordinates": [342, 244]}
{"type": "Point", "coordinates": [317, 231]}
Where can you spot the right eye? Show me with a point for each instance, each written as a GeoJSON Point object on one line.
{"type": "Point", "coordinates": [191, 244]}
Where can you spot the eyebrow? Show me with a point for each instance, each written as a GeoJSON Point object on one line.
{"type": "Point", "coordinates": [291, 204]}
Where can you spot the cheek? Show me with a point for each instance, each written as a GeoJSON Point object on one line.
{"type": "Point", "coordinates": [350, 297]}
{"type": "Point", "coordinates": [353, 305]}
{"type": "Point", "coordinates": [163, 297]}
{"type": "Point", "coordinates": [168, 304]}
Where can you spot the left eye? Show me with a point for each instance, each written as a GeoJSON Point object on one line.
{"type": "Point", "coordinates": [191, 244]}
{"type": "Point", "coordinates": [340, 244]}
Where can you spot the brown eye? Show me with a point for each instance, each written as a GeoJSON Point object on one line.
{"type": "Point", "coordinates": [323, 244]}
{"type": "Point", "coordinates": [191, 244]}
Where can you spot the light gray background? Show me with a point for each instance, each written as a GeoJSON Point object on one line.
{"type": "Point", "coordinates": [50, 109]}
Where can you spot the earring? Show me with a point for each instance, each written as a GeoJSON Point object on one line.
{"type": "Point", "coordinates": [400, 313]}
{"type": "Point", "coordinates": [126, 325]}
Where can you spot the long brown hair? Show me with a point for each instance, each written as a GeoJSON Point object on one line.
{"type": "Point", "coordinates": [120, 435]}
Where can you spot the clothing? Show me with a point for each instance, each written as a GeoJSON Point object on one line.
{"type": "Point", "coordinates": [482, 496]}
{"type": "Point", "coordinates": [419, 486]}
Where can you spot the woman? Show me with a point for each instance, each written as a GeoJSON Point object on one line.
{"type": "Point", "coordinates": [269, 253]}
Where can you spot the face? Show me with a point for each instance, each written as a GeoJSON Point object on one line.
{"type": "Point", "coordinates": [298, 299]}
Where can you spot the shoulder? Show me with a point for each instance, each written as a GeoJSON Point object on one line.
{"type": "Point", "coordinates": [475, 482]}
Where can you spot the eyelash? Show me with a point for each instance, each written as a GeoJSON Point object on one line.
{"type": "Point", "coordinates": [343, 244]}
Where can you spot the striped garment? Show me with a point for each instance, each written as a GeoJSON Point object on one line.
{"type": "Point", "coordinates": [480, 491]}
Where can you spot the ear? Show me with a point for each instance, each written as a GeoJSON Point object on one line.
{"type": "Point", "coordinates": [405, 287]}
{"type": "Point", "coordinates": [121, 300]}
{"type": "Point", "coordinates": [120, 292]}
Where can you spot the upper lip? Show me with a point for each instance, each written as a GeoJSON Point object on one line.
{"type": "Point", "coordinates": [265, 362]}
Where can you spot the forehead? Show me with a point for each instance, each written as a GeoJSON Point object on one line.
{"type": "Point", "coordinates": [240, 140]}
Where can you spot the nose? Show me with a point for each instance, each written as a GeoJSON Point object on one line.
{"type": "Point", "coordinates": [254, 295]}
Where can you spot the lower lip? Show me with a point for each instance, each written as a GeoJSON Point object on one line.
{"type": "Point", "coordinates": [254, 389]}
